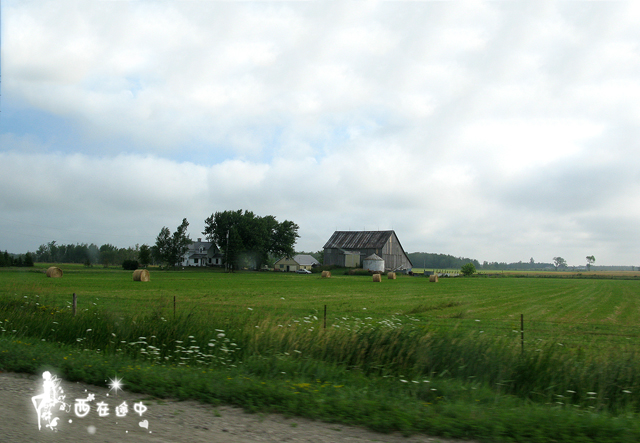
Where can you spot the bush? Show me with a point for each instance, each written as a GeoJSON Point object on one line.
{"type": "Point", "coordinates": [468, 269]}
{"type": "Point", "coordinates": [130, 265]}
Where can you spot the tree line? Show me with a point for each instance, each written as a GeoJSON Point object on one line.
{"type": "Point", "coordinates": [18, 260]}
{"type": "Point", "coordinates": [87, 254]}
{"type": "Point", "coordinates": [439, 261]}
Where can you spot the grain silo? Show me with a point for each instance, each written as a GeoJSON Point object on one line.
{"type": "Point", "coordinates": [373, 263]}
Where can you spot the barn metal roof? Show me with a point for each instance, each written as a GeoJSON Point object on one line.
{"type": "Point", "coordinates": [358, 239]}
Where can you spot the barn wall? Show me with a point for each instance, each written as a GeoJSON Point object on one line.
{"type": "Point", "coordinates": [333, 257]}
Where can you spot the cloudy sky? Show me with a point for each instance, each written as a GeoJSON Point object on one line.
{"type": "Point", "coordinates": [499, 131]}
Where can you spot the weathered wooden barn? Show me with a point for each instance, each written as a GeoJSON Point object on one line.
{"type": "Point", "coordinates": [350, 248]}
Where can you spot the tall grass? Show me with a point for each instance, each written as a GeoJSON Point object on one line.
{"type": "Point", "coordinates": [282, 346]}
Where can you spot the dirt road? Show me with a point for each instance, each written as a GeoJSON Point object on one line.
{"type": "Point", "coordinates": [151, 420]}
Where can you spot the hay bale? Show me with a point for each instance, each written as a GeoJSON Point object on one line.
{"type": "Point", "coordinates": [391, 275]}
{"type": "Point", "coordinates": [377, 278]}
{"type": "Point", "coordinates": [141, 275]}
{"type": "Point", "coordinates": [326, 274]}
{"type": "Point", "coordinates": [433, 278]}
{"type": "Point", "coordinates": [54, 272]}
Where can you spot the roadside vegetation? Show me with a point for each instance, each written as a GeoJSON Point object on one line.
{"type": "Point", "coordinates": [445, 359]}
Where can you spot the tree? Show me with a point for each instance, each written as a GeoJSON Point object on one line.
{"type": "Point", "coordinates": [468, 270]}
{"type": "Point", "coordinates": [28, 259]}
{"type": "Point", "coordinates": [559, 262]}
{"type": "Point", "coordinates": [590, 260]}
{"type": "Point", "coordinates": [170, 248]}
{"type": "Point", "coordinates": [108, 254]}
{"type": "Point", "coordinates": [249, 240]}
{"type": "Point", "coordinates": [144, 255]}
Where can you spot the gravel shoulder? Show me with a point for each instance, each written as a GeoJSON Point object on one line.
{"type": "Point", "coordinates": [166, 420]}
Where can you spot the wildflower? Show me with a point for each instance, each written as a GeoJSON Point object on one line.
{"type": "Point", "coordinates": [403, 381]}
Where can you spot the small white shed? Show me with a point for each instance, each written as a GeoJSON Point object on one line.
{"type": "Point", "coordinates": [373, 263]}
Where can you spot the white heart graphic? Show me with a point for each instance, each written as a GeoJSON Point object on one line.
{"type": "Point", "coordinates": [144, 424]}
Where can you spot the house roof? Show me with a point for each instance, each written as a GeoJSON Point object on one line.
{"type": "Point", "coordinates": [358, 239]}
{"type": "Point", "coordinates": [305, 260]}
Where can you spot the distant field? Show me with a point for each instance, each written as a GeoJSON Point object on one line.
{"type": "Point", "coordinates": [578, 310]}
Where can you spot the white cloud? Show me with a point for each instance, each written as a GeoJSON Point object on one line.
{"type": "Point", "coordinates": [492, 130]}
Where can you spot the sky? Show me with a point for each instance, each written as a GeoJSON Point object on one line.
{"type": "Point", "coordinates": [499, 131]}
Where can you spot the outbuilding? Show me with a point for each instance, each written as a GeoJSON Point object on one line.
{"type": "Point", "coordinates": [295, 263]}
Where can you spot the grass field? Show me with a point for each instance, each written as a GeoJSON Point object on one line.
{"type": "Point", "coordinates": [402, 354]}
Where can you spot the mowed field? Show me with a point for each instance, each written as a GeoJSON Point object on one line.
{"type": "Point", "coordinates": [448, 358]}
{"type": "Point", "coordinates": [576, 310]}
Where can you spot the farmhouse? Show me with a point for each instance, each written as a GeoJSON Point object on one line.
{"type": "Point", "coordinates": [295, 263]}
{"type": "Point", "coordinates": [351, 248]}
{"type": "Point", "coordinates": [202, 253]}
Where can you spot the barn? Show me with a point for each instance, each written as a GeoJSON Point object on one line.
{"type": "Point", "coordinates": [350, 248]}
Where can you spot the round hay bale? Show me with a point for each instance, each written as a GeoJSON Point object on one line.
{"type": "Point", "coordinates": [433, 278]}
{"type": "Point", "coordinates": [377, 278]}
{"type": "Point", "coordinates": [141, 275]}
{"type": "Point", "coordinates": [54, 272]}
{"type": "Point", "coordinates": [391, 275]}
{"type": "Point", "coordinates": [326, 274]}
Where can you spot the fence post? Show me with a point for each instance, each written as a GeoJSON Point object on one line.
{"type": "Point", "coordinates": [522, 331]}
{"type": "Point", "coordinates": [325, 316]}
{"type": "Point", "coordinates": [75, 303]}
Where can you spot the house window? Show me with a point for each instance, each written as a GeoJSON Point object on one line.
{"type": "Point", "coordinates": [281, 266]}
{"type": "Point", "coordinates": [195, 261]}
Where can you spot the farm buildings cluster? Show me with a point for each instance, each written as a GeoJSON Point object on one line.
{"type": "Point", "coordinates": [372, 250]}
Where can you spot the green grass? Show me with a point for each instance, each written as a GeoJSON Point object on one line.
{"type": "Point", "coordinates": [405, 355]}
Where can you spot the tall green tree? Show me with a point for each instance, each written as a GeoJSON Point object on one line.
{"type": "Point", "coordinates": [590, 260]}
{"type": "Point", "coordinates": [28, 259]}
{"type": "Point", "coordinates": [248, 239]}
{"type": "Point", "coordinates": [170, 248]}
{"type": "Point", "coordinates": [144, 255]}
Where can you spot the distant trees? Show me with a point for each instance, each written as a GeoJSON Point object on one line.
{"type": "Point", "coordinates": [439, 261]}
{"type": "Point", "coordinates": [170, 248]}
{"type": "Point", "coordinates": [247, 239]}
{"type": "Point", "coordinates": [20, 260]}
{"type": "Point", "coordinates": [84, 253]}
{"type": "Point", "coordinates": [590, 260]}
{"type": "Point", "coordinates": [559, 262]}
